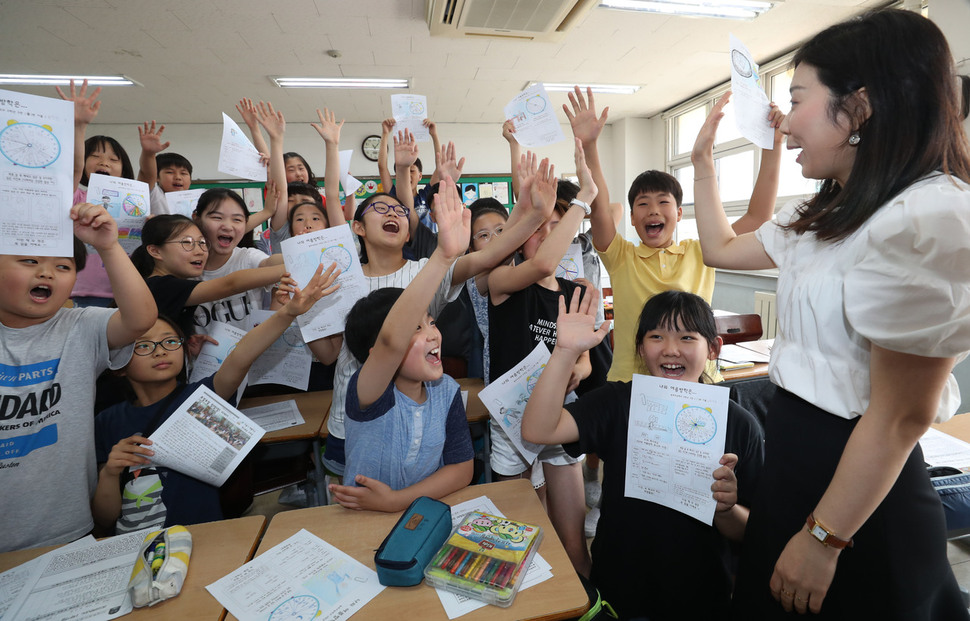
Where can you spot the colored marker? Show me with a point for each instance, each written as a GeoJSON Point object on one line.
{"type": "Point", "coordinates": [440, 556]}
{"type": "Point", "coordinates": [481, 570]}
{"type": "Point", "coordinates": [461, 559]}
{"type": "Point", "coordinates": [473, 568]}
{"type": "Point", "coordinates": [158, 558]}
{"type": "Point", "coordinates": [465, 562]}
{"type": "Point", "coordinates": [450, 558]}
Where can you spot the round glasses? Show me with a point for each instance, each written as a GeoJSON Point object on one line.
{"type": "Point", "coordinates": [188, 243]}
{"type": "Point", "coordinates": [486, 235]}
{"type": "Point", "coordinates": [382, 208]}
{"type": "Point", "coordinates": [147, 348]}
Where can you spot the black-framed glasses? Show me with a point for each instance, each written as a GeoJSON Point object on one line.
{"type": "Point", "coordinates": [486, 235]}
{"type": "Point", "coordinates": [147, 348]}
{"type": "Point", "coordinates": [382, 208]}
{"type": "Point", "coordinates": [188, 243]}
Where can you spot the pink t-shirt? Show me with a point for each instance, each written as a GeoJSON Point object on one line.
{"type": "Point", "coordinates": [93, 279]}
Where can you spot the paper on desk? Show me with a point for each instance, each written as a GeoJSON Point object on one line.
{"type": "Point", "coordinates": [302, 254]}
{"type": "Point", "coordinates": [17, 583]}
{"type": "Point", "coordinates": [302, 578]}
{"type": "Point", "coordinates": [36, 175]}
{"type": "Point", "coordinates": [287, 361]}
{"type": "Point", "coordinates": [736, 353]}
{"type": "Point", "coordinates": [456, 605]}
{"type": "Point", "coordinates": [84, 580]}
{"type": "Point", "coordinates": [942, 449]}
{"type": "Point", "coordinates": [571, 265]}
{"type": "Point", "coordinates": [274, 416]}
{"type": "Point", "coordinates": [409, 112]}
{"type": "Point", "coordinates": [762, 346]}
{"type": "Point", "coordinates": [125, 200]}
{"type": "Point", "coordinates": [205, 438]}
{"type": "Point", "coordinates": [184, 201]}
{"type": "Point", "coordinates": [507, 396]}
{"type": "Point", "coordinates": [675, 441]}
{"type": "Point", "coordinates": [237, 156]}
{"type": "Point", "coordinates": [350, 183]}
{"type": "Point", "coordinates": [751, 106]}
{"type": "Point", "coordinates": [536, 123]}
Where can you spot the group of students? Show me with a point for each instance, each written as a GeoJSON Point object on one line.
{"type": "Point", "coordinates": [861, 369]}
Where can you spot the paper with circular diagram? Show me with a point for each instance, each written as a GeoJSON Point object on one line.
{"type": "Point", "coordinates": [536, 123]}
{"type": "Point", "coordinates": [125, 200]}
{"type": "Point", "coordinates": [409, 112]}
{"type": "Point", "coordinates": [748, 97]}
{"type": "Point", "coordinates": [675, 441]}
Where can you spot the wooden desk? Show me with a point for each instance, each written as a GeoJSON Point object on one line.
{"type": "Point", "coordinates": [218, 548]}
{"type": "Point", "coordinates": [958, 427]}
{"type": "Point", "coordinates": [759, 370]}
{"type": "Point", "coordinates": [359, 533]}
{"type": "Point", "coordinates": [476, 411]}
{"type": "Point", "coordinates": [314, 407]}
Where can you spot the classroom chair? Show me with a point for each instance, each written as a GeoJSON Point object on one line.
{"type": "Point", "coordinates": [738, 328]}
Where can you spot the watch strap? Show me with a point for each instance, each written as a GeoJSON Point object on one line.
{"type": "Point", "coordinates": [824, 536]}
{"type": "Point", "coordinates": [585, 206]}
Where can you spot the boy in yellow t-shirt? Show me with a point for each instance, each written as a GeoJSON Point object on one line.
{"type": "Point", "coordinates": [657, 264]}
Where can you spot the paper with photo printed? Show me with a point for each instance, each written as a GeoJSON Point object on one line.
{"type": "Point", "coordinates": [675, 442]}
{"type": "Point", "coordinates": [36, 175]}
{"type": "Point", "coordinates": [302, 254]}
{"type": "Point", "coordinates": [237, 156]}
{"type": "Point", "coordinates": [205, 438]}
{"type": "Point", "coordinates": [536, 123]}
{"type": "Point", "coordinates": [125, 200]}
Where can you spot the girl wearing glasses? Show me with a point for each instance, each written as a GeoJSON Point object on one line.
{"type": "Point", "coordinates": [173, 252]}
{"type": "Point", "coordinates": [154, 496]}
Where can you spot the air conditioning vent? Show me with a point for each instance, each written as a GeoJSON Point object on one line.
{"type": "Point", "coordinates": [537, 20]}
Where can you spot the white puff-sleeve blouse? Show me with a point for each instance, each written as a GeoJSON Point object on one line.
{"type": "Point", "coordinates": [902, 281]}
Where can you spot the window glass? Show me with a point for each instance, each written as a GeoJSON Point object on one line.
{"type": "Point", "coordinates": [688, 124]}
{"type": "Point", "coordinates": [685, 176]}
{"type": "Point", "coordinates": [735, 176]}
{"type": "Point", "coordinates": [727, 130]}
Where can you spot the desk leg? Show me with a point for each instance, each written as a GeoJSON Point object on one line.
{"type": "Point", "coordinates": [320, 479]}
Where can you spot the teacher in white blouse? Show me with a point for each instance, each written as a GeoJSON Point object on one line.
{"type": "Point", "coordinates": [874, 312]}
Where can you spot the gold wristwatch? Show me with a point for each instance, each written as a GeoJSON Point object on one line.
{"type": "Point", "coordinates": [824, 535]}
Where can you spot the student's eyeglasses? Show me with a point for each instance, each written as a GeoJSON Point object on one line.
{"type": "Point", "coordinates": [147, 348]}
{"type": "Point", "coordinates": [486, 235]}
{"type": "Point", "coordinates": [383, 208]}
{"type": "Point", "coordinates": [188, 243]}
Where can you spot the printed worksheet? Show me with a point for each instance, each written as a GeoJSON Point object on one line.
{"type": "Point", "coordinates": [302, 254]}
{"type": "Point", "coordinates": [36, 175]}
{"type": "Point", "coordinates": [125, 200]}
{"type": "Point", "coordinates": [536, 123]}
{"type": "Point", "coordinates": [205, 438]}
{"type": "Point", "coordinates": [84, 580]}
{"type": "Point", "coordinates": [287, 361]}
{"type": "Point", "coordinates": [183, 202]}
{"type": "Point", "coordinates": [350, 183]}
{"type": "Point", "coordinates": [505, 398]}
{"type": "Point", "coordinates": [275, 416]}
{"type": "Point", "coordinates": [409, 112]}
{"type": "Point", "coordinates": [456, 605]}
{"type": "Point", "coordinates": [942, 449]}
{"type": "Point", "coordinates": [674, 443]}
{"type": "Point", "coordinates": [751, 106]}
{"type": "Point", "coordinates": [302, 578]}
{"type": "Point", "coordinates": [571, 265]}
{"type": "Point", "coordinates": [237, 156]}
{"type": "Point", "coordinates": [212, 355]}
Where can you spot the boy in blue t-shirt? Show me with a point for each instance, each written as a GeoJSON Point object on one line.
{"type": "Point", "coordinates": [50, 358]}
{"type": "Point", "coordinates": [407, 435]}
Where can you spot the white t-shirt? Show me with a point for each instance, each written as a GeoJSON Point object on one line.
{"type": "Point", "coordinates": [902, 281]}
{"type": "Point", "coordinates": [234, 309]}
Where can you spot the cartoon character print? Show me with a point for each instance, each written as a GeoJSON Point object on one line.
{"type": "Point", "coordinates": [509, 531]}
{"type": "Point", "coordinates": [481, 524]}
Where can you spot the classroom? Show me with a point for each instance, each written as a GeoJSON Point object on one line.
{"type": "Point", "coordinates": [661, 76]}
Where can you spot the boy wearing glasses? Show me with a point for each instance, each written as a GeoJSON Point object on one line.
{"type": "Point", "coordinates": [50, 357]}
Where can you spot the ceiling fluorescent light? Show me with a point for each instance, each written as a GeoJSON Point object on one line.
{"type": "Point", "coordinates": [609, 89]}
{"type": "Point", "coordinates": [65, 80]}
{"type": "Point", "coordinates": [285, 82]}
{"type": "Point", "coordinates": [726, 9]}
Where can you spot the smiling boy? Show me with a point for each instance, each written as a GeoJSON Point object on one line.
{"type": "Point", "coordinates": [50, 358]}
{"type": "Point", "coordinates": [657, 264]}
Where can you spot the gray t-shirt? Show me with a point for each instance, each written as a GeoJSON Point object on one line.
{"type": "Point", "coordinates": [48, 471]}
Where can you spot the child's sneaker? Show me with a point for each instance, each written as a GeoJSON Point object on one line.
{"type": "Point", "coordinates": [592, 518]}
{"type": "Point", "coordinates": [593, 491]}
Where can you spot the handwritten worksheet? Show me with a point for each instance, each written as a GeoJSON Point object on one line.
{"type": "Point", "coordinates": [751, 106]}
{"type": "Point", "coordinates": [571, 265]}
{"type": "Point", "coordinates": [237, 156]}
{"type": "Point", "coordinates": [675, 442]}
{"type": "Point", "coordinates": [409, 112]}
{"type": "Point", "coordinates": [36, 175]}
{"type": "Point", "coordinates": [302, 254]}
{"type": "Point", "coordinates": [303, 577]}
{"type": "Point", "coordinates": [536, 123]}
{"type": "Point", "coordinates": [287, 361]}
{"type": "Point", "coordinates": [125, 200]}
{"type": "Point", "coordinates": [505, 399]}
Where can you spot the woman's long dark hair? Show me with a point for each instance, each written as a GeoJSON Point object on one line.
{"type": "Point", "coordinates": [903, 63]}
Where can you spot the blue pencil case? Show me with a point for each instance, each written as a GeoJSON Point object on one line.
{"type": "Point", "coordinates": [413, 541]}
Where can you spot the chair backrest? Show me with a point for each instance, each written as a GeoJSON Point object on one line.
{"type": "Point", "coordinates": [738, 328]}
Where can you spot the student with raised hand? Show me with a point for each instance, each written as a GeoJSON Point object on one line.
{"type": "Point", "coordinates": [523, 302]}
{"type": "Point", "coordinates": [173, 173]}
{"type": "Point", "coordinates": [157, 497]}
{"type": "Point", "coordinates": [400, 393]}
{"type": "Point", "coordinates": [57, 354]}
{"type": "Point", "coordinates": [151, 145]}
{"type": "Point", "coordinates": [387, 129]}
{"type": "Point", "coordinates": [643, 551]}
{"type": "Point", "coordinates": [874, 312]}
{"type": "Point", "coordinates": [657, 263]}
{"type": "Point", "coordinates": [329, 130]}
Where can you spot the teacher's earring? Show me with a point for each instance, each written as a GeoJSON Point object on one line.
{"type": "Point", "coordinates": [854, 139]}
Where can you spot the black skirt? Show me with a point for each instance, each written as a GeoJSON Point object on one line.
{"type": "Point", "coordinates": [897, 569]}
